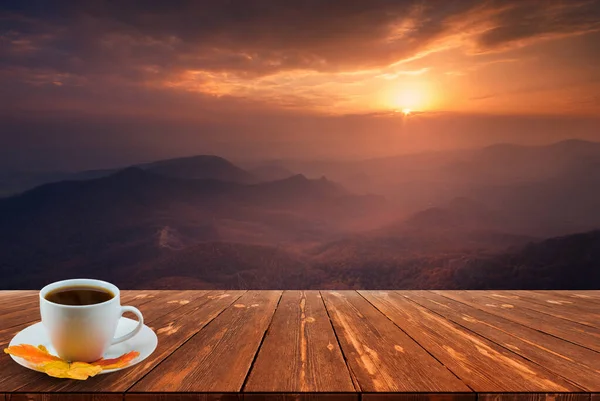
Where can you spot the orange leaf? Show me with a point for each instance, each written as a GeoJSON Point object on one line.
{"type": "Point", "coordinates": [31, 354]}
{"type": "Point", "coordinates": [115, 363]}
{"type": "Point", "coordinates": [53, 366]}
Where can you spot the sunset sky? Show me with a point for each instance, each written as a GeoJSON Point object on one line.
{"type": "Point", "coordinates": [91, 84]}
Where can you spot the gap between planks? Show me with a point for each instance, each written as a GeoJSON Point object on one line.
{"type": "Point", "coordinates": [355, 382]}
{"type": "Point", "coordinates": [262, 340]}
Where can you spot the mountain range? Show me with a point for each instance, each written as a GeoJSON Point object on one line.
{"type": "Point", "coordinates": [461, 219]}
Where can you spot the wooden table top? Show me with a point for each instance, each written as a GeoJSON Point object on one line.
{"type": "Point", "coordinates": [339, 345]}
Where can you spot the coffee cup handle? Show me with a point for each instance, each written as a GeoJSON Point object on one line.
{"type": "Point", "coordinates": [137, 329]}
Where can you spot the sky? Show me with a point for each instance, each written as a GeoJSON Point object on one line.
{"type": "Point", "coordinates": [101, 83]}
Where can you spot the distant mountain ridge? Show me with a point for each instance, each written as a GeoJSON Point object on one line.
{"type": "Point", "coordinates": [200, 167]}
{"type": "Point", "coordinates": [568, 262]}
{"type": "Point", "coordinates": [137, 212]}
{"type": "Point", "coordinates": [463, 219]}
{"type": "Point", "coordinates": [360, 175]}
{"type": "Point", "coordinates": [192, 168]}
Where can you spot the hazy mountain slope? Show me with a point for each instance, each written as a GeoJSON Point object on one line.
{"type": "Point", "coordinates": [569, 262]}
{"type": "Point", "coordinates": [227, 265]}
{"type": "Point", "coordinates": [133, 215]}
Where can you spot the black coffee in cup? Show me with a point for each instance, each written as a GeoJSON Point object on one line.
{"type": "Point", "coordinates": [79, 295]}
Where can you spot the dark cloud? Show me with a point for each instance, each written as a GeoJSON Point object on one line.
{"type": "Point", "coordinates": [139, 40]}
{"type": "Point", "coordinates": [527, 20]}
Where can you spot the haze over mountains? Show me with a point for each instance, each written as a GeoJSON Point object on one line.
{"type": "Point", "coordinates": [476, 218]}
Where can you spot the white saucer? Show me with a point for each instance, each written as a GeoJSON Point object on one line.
{"type": "Point", "coordinates": [144, 342]}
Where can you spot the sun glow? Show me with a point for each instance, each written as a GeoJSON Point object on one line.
{"type": "Point", "coordinates": [409, 97]}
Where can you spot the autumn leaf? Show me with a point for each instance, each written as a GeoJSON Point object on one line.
{"type": "Point", "coordinates": [116, 363]}
{"type": "Point", "coordinates": [31, 354]}
{"type": "Point", "coordinates": [66, 370]}
{"type": "Point", "coordinates": [54, 366]}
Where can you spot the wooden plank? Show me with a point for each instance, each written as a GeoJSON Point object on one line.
{"type": "Point", "coordinates": [153, 307]}
{"type": "Point", "coordinates": [302, 348]}
{"type": "Point", "coordinates": [28, 314]}
{"type": "Point", "coordinates": [301, 397]}
{"type": "Point", "coordinates": [585, 336]}
{"type": "Point", "coordinates": [419, 397]}
{"type": "Point", "coordinates": [582, 315]}
{"type": "Point", "coordinates": [534, 397]}
{"type": "Point", "coordinates": [584, 294]}
{"type": "Point", "coordinates": [481, 364]}
{"type": "Point", "coordinates": [6, 334]}
{"type": "Point", "coordinates": [560, 300]}
{"type": "Point", "coordinates": [15, 295]}
{"type": "Point", "coordinates": [219, 357]}
{"type": "Point", "coordinates": [379, 354]}
{"type": "Point", "coordinates": [10, 305]}
{"type": "Point", "coordinates": [183, 397]}
{"type": "Point", "coordinates": [64, 397]}
{"type": "Point", "coordinates": [563, 298]}
{"type": "Point", "coordinates": [573, 362]}
{"type": "Point", "coordinates": [130, 295]}
{"type": "Point", "coordinates": [172, 329]}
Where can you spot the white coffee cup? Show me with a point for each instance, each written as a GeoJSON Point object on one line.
{"type": "Point", "coordinates": [83, 333]}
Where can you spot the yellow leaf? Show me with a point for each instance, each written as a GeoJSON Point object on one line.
{"type": "Point", "coordinates": [65, 370]}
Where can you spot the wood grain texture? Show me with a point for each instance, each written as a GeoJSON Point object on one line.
{"type": "Point", "coordinates": [65, 397]}
{"type": "Point", "coordinates": [481, 364]}
{"type": "Point", "coordinates": [28, 314]}
{"type": "Point", "coordinates": [6, 334]}
{"type": "Point", "coordinates": [219, 357]}
{"type": "Point", "coordinates": [212, 344]}
{"type": "Point", "coordinates": [10, 372]}
{"type": "Point", "coordinates": [379, 354]}
{"type": "Point", "coordinates": [130, 295]}
{"type": "Point", "coordinates": [28, 301]}
{"type": "Point", "coordinates": [184, 397]}
{"type": "Point", "coordinates": [172, 329]}
{"type": "Point", "coordinates": [301, 397]}
{"type": "Point", "coordinates": [420, 397]}
{"type": "Point", "coordinates": [153, 307]}
{"type": "Point", "coordinates": [537, 303]}
{"type": "Point", "coordinates": [301, 347]}
{"type": "Point", "coordinates": [575, 363]}
{"type": "Point", "coordinates": [18, 295]}
{"type": "Point", "coordinates": [584, 294]}
{"type": "Point", "coordinates": [563, 299]}
{"type": "Point", "coordinates": [586, 336]}
{"type": "Point", "coordinates": [534, 397]}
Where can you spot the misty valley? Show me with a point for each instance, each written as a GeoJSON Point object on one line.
{"type": "Point", "coordinates": [500, 217]}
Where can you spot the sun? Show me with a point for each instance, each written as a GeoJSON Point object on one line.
{"type": "Point", "coordinates": [409, 97]}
